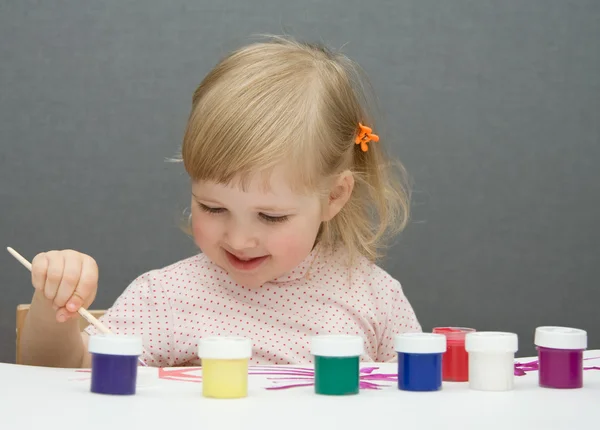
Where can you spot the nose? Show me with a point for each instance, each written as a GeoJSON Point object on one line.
{"type": "Point", "coordinates": [240, 237]}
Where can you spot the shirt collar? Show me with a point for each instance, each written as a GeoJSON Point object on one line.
{"type": "Point", "coordinates": [307, 268]}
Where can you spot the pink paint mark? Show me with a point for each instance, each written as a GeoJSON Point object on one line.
{"type": "Point", "coordinates": [183, 375]}
{"type": "Point", "coordinates": [85, 378]}
{"type": "Point", "coordinates": [369, 379]}
{"type": "Point", "coordinates": [521, 369]}
{"type": "Point", "coordinates": [299, 376]}
{"type": "Point", "coordinates": [285, 387]}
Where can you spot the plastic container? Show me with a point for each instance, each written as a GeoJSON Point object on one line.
{"type": "Point", "coordinates": [560, 355]}
{"type": "Point", "coordinates": [491, 360]}
{"type": "Point", "coordinates": [225, 366]}
{"type": "Point", "coordinates": [455, 362]}
{"type": "Point", "coordinates": [420, 361]}
{"type": "Point", "coordinates": [114, 363]}
{"type": "Point", "coordinates": [337, 364]}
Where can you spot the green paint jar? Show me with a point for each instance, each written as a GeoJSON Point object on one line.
{"type": "Point", "coordinates": [337, 364]}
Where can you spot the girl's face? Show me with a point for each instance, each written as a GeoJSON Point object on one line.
{"type": "Point", "coordinates": [256, 236]}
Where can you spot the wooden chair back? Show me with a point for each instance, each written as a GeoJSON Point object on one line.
{"type": "Point", "coordinates": [22, 314]}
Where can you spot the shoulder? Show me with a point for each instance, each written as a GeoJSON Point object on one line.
{"type": "Point", "coordinates": [377, 278]}
{"type": "Point", "coordinates": [363, 272]}
{"type": "Point", "coordinates": [371, 270]}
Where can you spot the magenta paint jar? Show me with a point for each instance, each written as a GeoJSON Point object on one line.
{"type": "Point", "coordinates": [560, 356]}
{"type": "Point", "coordinates": [114, 363]}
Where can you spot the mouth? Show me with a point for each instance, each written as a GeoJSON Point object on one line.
{"type": "Point", "coordinates": [244, 263]}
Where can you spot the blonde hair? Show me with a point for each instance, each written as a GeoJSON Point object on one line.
{"type": "Point", "coordinates": [298, 104]}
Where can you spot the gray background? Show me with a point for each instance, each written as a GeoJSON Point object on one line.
{"type": "Point", "coordinates": [494, 107]}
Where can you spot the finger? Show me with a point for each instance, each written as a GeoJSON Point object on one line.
{"type": "Point", "coordinates": [85, 292]}
{"type": "Point", "coordinates": [56, 262]}
{"type": "Point", "coordinates": [70, 278]}
{"type": "Point", "coordinates": [63, 315]}
{"type": "Point", "coordinates": [39, 269]}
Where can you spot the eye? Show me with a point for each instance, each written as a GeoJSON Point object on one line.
{"type": "Point", "coordinates": [273, 219]}
{"type": "Point", "coordinates": [211, 210]}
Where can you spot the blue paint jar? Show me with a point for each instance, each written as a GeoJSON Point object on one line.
{"type": "Point", "coordinates": [420, 361]}
{"type": "Point", "coordinates": [114, 363]}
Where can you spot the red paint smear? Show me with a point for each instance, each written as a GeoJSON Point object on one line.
{"type": "Point", "coordinates": [179, 374]}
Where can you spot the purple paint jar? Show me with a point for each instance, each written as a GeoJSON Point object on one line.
{"type": "Point", "coordinates": [114, 363]}
{"type": "Point", "coordinates": [560, 356]}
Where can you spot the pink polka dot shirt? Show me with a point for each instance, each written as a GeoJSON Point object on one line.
{"type": "Point", "coordinates": [173, 307]}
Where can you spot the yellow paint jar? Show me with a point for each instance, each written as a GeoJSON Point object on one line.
{"type": "Point", "coordinates": [225, 366]}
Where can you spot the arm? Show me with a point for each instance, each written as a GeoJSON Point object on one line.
{"type": "Point", "coordinates": [47, 342]}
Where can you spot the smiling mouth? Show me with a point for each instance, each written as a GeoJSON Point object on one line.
{"type": "Point", "coordinates": [245, 264]}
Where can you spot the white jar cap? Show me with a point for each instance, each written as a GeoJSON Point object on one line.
{"type": "Point", "coordinates": [225, 348]}
{"type": "Point", "coordinates": [420, 343]}
{"type": "Point", "coordinates": [560, 337]}
{"type": "Point", "coordinates": [337, 346]}
{"type": "Point", "coordinates": [491, 341]}
{"type": "Point", "coordinates": [114, 344]}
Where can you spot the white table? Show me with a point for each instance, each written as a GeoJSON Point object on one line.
{"type": "Point", "coordinates": [43, 398]}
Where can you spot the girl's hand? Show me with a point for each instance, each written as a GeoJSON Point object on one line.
{"type": "Point", "coordinates": [67, 279]}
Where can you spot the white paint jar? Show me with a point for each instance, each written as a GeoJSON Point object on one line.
{"type": "Point", "coordinates": [491, 360]}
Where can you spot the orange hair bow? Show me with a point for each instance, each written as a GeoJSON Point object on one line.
{"type": "Point", "coordinates": [365, 135]}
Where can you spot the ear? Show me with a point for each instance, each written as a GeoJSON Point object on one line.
{"type": "Point", "coordinates": [339, 194]}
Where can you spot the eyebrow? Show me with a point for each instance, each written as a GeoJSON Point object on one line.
{"type": "Point", "coordinates": [274, 209]}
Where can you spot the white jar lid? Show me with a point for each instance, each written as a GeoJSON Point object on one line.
{"type": "Point", "coordinates": [560, 337]}
{"type": "Point", "coordinates": [420, 343]}
{"type": "Point", "coordinates": [114, 344]}
{"type": "Point", "coordinates": [491, 341]}
{"type": "Point", "coordinates": [224, 348]}
{"type": "Point", "coordinates": [337, 346]}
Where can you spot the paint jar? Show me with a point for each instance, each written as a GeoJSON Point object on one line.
{"type": "Point", "coordinates": [420, 361]}
{"type": "Point", "coordinates": [337, 364]}
{"type": "Point", "coordinates": [560, 356]}
{"type": "Point", "coordinates": [114, 363]}
{"type": "Point", "coordinates": [455, 361]}
{"type": "Point", "coordinates": [491, 360]}
{"type": "Point", "coordinates": [225, 366]}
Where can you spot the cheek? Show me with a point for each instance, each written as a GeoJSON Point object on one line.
{"type": "Point", "coordinates": [205, 228]}
{"type": "Point", "coordinates": [295, 240]}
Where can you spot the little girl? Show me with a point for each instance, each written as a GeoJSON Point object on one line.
{"type": "Point", "coordinates": [291, 196]}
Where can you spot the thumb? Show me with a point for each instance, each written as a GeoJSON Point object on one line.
{"type": "Point", "coordinates": [74, 303]}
